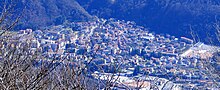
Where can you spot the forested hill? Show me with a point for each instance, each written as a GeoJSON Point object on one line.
{"type": "Point", "coordinates": [175, 17]}
{"type": "Point", "coordinates": [162, 16]}
{"type": "Point", "coordinates": [42, 13]}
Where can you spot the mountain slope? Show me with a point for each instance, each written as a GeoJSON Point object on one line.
{"type": "Point", "coordinates": [42, 13]}
{"type": "Point", "coordinates": [162, 16]}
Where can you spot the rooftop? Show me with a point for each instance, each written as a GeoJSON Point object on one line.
{"type": "Point", "coordinates": [201, 50]}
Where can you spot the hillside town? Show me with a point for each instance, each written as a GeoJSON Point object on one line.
{"type": "Point", "coordinates": [126, 49]}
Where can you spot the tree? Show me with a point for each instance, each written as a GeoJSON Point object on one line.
{"type": "Point", "coordinates": [25, 67]}
{"type": "Point", "coordinates": [7, 19]}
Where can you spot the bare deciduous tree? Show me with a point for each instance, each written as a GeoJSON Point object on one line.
{"type": "Point", "coordinates": [19, 64]}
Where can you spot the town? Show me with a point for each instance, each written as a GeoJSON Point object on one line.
{"type": "Point", "coordinates": [125, 49]}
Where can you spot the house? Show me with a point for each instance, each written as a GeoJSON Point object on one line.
{"type": "Point", "coordinates": [81, 51]}
{"type": "Point", "coordinates": [22, 32]}
{"type": "Point", "coordinates": [62, 44]}
{"type": "Point", "coordinates": [54, 47]}
{"type": "Point", "coordinates": [187, 40]}
{"type": "Point", "coordinates": [27, 31]}
{"type": "Point", "coordinates": [35, 44]}
{"type": "Point", "coordinates": [45, 48]}
{"type": "Point", "coordinates": [70, 46]}
{"type": "Point", "coordinates": [1, 45]}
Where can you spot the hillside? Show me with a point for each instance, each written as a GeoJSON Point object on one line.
{"type": "Point", "coordinates": [42, 13]}
{"type": "Point", "coordinates": [175, 17]}
{"type": "Point", "coordinates": [162, 16]}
